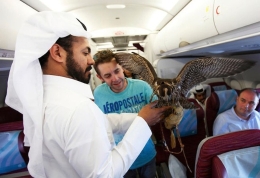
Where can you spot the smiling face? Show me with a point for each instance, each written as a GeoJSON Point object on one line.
{"type": "Point", "coordinates": [112, 73]}
{"type": "Point", "coordinates": [79, 60]}
{"type": "Point", "coordinates": [246, 102]}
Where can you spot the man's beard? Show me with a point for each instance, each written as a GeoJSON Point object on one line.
{"type": "Point", "coordinates": [75, 71]}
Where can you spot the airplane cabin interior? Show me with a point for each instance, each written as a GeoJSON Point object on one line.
{"type": "Point", "coordinates": [168, 34]}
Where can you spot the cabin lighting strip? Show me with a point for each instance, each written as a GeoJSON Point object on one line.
{"type": "Point", "coordinates": [115, 6]}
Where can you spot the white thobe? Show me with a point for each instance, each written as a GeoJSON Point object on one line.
{"type": "Point", "coordinates": [78, 137]}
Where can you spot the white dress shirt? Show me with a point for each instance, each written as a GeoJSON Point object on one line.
{"type": "Point", "coordinates": [228, 121]}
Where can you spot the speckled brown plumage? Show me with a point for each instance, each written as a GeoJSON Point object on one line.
{"type": "Point", "coordinates": [170, 91]}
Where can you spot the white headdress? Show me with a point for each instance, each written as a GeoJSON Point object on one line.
{"type": "Point", "coordinates": [199, 89]}
{"type": "Point", "coordinates": [25, 88]}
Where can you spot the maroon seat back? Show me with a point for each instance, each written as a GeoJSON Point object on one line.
{"type": "Point", "coordinates": [210, 147]}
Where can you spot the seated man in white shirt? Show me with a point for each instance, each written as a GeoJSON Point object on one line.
{"type": "Point", "coordinates": [242, 116]}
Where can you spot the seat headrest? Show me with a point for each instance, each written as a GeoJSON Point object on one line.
{"type": "Point", "coordinates": [227, 99]}
{"type": "Point", "coordinates": [218, 86]}
{"type": "Point", "coordinates": [216, 145]}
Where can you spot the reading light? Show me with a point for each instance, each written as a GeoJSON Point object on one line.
{"type": "Point", "coordinates": [116, 6]}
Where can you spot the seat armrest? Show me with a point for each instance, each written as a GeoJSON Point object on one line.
{"type": "Point", "coordinates": [10, 126]}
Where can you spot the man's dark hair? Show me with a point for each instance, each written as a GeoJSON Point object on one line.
{"type": "Point", "coordinates": [65, 43]}
{"type": "Point", "coordinates": [102, 57]}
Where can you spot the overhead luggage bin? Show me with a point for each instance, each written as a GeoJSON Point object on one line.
{"type": "Point", "coordinates": [192, 24]}
{"type": "Point", "coordinates": [220, 27]}
{"type": "Point", "coordinates": [234, 14]}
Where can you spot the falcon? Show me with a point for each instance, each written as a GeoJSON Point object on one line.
{"type": "Point", "coordinates": [172, 92]}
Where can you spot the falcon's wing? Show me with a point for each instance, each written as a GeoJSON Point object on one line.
{"type": "Point", "coordinates": [137, 65]}
{"type": "Point", "coordinates": [198, 70]}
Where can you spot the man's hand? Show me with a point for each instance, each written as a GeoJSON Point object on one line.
{"type": "Point", "coordinates": [151, 114]}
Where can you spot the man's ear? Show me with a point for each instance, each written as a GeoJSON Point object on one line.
{"type": "Point", "coordinates": [100, 78]}
{"type": "Point", "coordinates": [58, 53]}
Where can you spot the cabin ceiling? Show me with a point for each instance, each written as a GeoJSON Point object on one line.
{"type": "Point", "coordinates": [120, 29]}
{"type": "Point", "coordinates": [116, 28]}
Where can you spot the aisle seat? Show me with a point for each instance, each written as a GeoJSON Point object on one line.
{"type": "Point", "coordinates": [221, 156]}
{"type": "Point", "coordinates": [12, 136]}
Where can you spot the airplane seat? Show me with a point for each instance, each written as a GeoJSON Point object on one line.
{"type": "Point", "coordinates": [221, 156]}
{"type": "Point", "coordinates": [192, 131]}
{"type": "Point", "coordinates": [11, 133]}
{"type": "Point", "coordinates": [218, 86]}
{"type": "Point", "coordinates": [4, 73]}
{"type": "Point", "coordinates": [8, 114]}
{"type": "Point", "coordinates": [218, 169]}
{"type": "Point", "coordinates": [216, 103]}
{"type": "Point", "coordinates": [235, 84]}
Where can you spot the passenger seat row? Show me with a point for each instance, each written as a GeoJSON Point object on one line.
{"type": "Point", "coordinates": [219, 101]}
